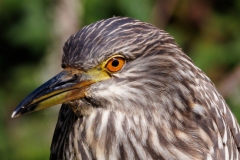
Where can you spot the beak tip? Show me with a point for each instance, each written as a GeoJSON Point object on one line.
{"type": "Point", "coordinates": [14, 114]}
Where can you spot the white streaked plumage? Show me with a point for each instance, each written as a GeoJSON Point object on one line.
{"type": "Point", "coordinates": [158, 106]}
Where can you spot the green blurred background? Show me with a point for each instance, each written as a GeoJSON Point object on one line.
{"type": "Point", "coordinates": [32, 34]}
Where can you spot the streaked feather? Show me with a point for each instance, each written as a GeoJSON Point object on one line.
{"type": "Point", "coordinates": [160, 106]}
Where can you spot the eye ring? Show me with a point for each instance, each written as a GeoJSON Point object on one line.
{"type": "Point", "coordinates": [115, 64]}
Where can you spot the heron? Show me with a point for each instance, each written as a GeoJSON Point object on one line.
{"type": "Point", "coordinates": [128, 91]}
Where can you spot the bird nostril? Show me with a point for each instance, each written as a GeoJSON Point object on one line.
{"type": "Point", "coordinates": [67, 81]}
{"type": "Point", "coordinates": [63, 66]}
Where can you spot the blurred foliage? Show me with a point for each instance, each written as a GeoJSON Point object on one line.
{"type": "Point", "coordinates": [207, 30]}
{"type": "Point", "coordinates": [140, 9]}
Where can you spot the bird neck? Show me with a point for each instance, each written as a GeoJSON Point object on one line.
{"type": "Point", "coordinates": [115, 134]}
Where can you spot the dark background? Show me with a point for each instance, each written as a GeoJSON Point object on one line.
{"type": "Point", "coordinates": [32, 34]}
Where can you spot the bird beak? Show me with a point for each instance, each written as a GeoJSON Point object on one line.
{"type": "Point", "coordinates": [70, 84]}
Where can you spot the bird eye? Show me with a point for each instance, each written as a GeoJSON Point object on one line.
{"type": "Point", "coordinates": [115, 64]}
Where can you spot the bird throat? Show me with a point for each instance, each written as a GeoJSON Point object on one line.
{"type": "Point", "coordinates": [80, 107]}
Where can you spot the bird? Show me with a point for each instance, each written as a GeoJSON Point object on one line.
{"type": "Point", "coordinates": [128, 91]}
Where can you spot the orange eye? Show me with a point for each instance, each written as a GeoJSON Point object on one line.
{"type": "Point", "coordinates": [115, 64]}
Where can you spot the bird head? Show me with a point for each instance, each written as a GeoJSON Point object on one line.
{"type": "Point", "coordinates": [118, 64]}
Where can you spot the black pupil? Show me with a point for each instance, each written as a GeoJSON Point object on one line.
{"type": "Point", "coordinates": [115, 63]}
